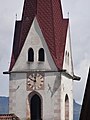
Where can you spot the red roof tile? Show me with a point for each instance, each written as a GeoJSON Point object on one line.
{"type": "Point", "coordinates": [8, 117]}
{"type": "Point", "coordinates": [16, 42]}
{"type": "Point", "coordinates": [54, 28]}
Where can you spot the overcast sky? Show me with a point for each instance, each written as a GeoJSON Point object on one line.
{"type": "Point", "coordinates": [80, 36]}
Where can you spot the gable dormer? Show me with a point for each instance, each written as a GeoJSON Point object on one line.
{"type": "Point", "coordinates": [35, 53]}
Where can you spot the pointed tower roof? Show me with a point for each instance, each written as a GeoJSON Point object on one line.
{"type": "Point", "coordinates": [54, 28]}
{"type": "Point", "coordinates": [85, 110]}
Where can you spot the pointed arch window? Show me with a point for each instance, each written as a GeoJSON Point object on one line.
{"type": "Point", "coordinates": [30, 55]}
{"type": "Point", "coordinates": [35, 105]}
{"type": "Point", "coordinates": [35, 108]}
{"type": "Point", "coordinates": [66, 107]}
{"type": "Point", "coordinates": [41, 55]}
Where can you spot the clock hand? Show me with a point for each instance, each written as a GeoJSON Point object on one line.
{"type": "Point", "coordinates": [32, 80]}
{"type": "Point", "coordinates": [35, 78]}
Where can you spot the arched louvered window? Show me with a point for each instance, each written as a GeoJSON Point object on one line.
{"type": "Point", "coordinates": [66, 107]}
{"type": "Point", "coordinates": [30, 55]}
{"type": "Point", "coordinates": [41, 55]}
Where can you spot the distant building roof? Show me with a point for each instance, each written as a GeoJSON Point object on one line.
{"type": "Point", "coordinates": [8, 117]}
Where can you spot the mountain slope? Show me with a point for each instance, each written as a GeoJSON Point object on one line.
{"type": "Point", "coordinates": [77, 109]}
{"type": "Point", "coordinates": [4, 108]}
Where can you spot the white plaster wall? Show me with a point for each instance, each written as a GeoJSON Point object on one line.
{"type": "Point", "coordinates": [20, 95]}
{"type": "Point", "coordinates": [48, 100]}
{"type": "Point", "coordinates": [48, 103]}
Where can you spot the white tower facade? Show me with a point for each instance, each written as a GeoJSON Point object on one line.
{"type": "Point", "coordinates": [41, 70]}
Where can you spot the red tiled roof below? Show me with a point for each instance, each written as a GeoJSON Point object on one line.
{"type": "Point", "coordinates": [8, 117]}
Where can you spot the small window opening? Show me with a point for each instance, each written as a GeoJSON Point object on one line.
{"type": "Point", "coordinates": [68, 54]}
{"type": "Point", "coordinates": [67, 58]}
{"type": "Point", "coordinates": [30, 55]}
{"type": "Point", "coordinates": [66, 107]}
{"type": "Point", "coordinates": [41, 55]}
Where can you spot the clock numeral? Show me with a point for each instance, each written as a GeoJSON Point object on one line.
{"type": "Point", "coordinates": [28, 83]}
{"type": "Point", "coordinates": [36, 87]}
{"type": "Point", "coordinates": [38, 75]}
{"type": "Point", "coordinates": [31, 86]}
{"type": "Point", "coordinates": [42, 81]}
{"type": "Point", "coordinates": [41, 84]}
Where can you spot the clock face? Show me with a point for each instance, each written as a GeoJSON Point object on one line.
{"type": "Point", "coordinates": [35, 81]}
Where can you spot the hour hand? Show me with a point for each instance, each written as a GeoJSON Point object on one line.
{"type": "Point", "coordinates": [32, 79]}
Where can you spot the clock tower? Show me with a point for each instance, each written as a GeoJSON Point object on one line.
{"type": "Point", "coordinates": [41, 69]}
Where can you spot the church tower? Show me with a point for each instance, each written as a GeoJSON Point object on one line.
{"type": "Point", "coordinates": [41, 69]}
